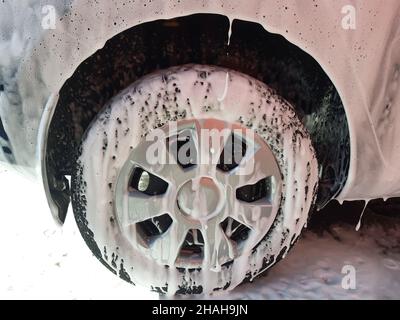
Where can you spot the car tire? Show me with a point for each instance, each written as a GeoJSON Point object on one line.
{"type": "Point", "coordinates": [179, 94]}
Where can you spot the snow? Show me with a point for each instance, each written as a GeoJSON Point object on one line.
{"type": "Point", "coordinates": [42, 261]}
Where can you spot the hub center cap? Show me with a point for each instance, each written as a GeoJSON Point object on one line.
{"type": "Point", "coordinates": [200, 198]}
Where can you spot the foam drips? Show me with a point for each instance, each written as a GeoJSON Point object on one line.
{"type": "Point", "coordinates": [229, 33]}
{"type": "Point", "coordinates": [361, 216]}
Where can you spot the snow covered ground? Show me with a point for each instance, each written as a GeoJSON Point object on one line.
{"type": "Point", "coordinates": [40, 260]}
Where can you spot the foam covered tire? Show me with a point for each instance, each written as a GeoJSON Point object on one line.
{"type": "Point", "coordinates": [176, 94]}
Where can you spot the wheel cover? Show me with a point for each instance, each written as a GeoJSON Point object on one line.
{"type": "Point", "coordinates": [212, 191]}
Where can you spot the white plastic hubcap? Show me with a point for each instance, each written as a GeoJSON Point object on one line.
{"type": "Point", "coordinates": [207, 199]}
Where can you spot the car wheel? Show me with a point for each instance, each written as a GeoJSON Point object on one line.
{"type": "Point", "coordinates": [211, 212]}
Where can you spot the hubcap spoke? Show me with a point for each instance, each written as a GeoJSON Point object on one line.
{"type": "Point", "coordinates": [257, 216]}
{"type": "Point", "coordinates": [141, 207]}
{"type": "Point", "coordinates": [166, 247]}
{"type": "Point", "coordinates": [183, 155]}
{"type": "Point", "coordinates": [256, 165]}
{"type": "Point", "coordinates": [218, 248]}
{"type": "Point", "coordinates": [212, 139]}
{"type": "Point", "coordinates": [175, 174]}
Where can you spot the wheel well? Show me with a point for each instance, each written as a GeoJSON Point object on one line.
{"type": "Point", "coordinates": [201, 39]}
